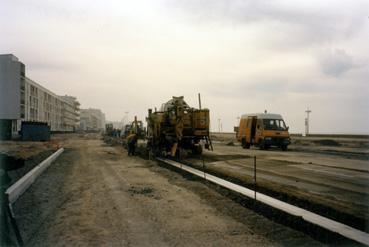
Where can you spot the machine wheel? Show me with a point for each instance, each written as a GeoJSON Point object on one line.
{"type": "Point", "coordinates": [245, 144]}
{"type": "Point", "coordinates": [284, 147]}
{"type": "Point", "coordinates": [261, 145]}
{"type": "Point", "coordinates": [197, 149]}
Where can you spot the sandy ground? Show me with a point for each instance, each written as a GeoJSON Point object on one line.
{"type": "Point", "coordinates": [26, 150]}
{"type": "Point", "coordinates": [96, 195]}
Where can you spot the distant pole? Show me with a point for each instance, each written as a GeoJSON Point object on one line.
{"type": "Point", "coordinates": [219, 125]}
{"type": "Point", "coordinates": [135, 127]}
{"type": "Point", "coordinates": [199, 102]}
{"type": "Point", "coordinates": [307, 121]}
{"type": "Point", "coordinates": [255, 177]}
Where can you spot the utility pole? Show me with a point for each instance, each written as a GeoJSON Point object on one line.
{"type": "Point", "coordinates": [199, 102]}
{"type": "Point", "coordinates": [219, 125]}
{"type": "Point", "coordinates": [307, 121]}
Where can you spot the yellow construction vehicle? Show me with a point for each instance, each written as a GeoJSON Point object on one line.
{"type": "Point", "coordinates": [136, 127]}
{"type": "Point", "coordinates": [177, 125]}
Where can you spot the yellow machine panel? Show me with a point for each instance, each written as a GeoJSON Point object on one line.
{"type": "Point", "coordinates": [177, 125]}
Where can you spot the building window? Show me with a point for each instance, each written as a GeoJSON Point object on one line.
{"type": "Point", "coordinates": [23, 84]}
{"type": "Point", "coordinates": [22, 115]}
{"type": "Point", "coordinates": [14, 124]}
{"type": "Point", "coordinates": [22, 100]}
{"type": "Point", "coordinates": [23, 70]}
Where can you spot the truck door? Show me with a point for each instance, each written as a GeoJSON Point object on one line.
{"type": "Point", "coordinates": [253, 129]}
{"type": "Point", "coordinates": [259, 129]}
{"type": "Point", "coordinates": [248, 130]}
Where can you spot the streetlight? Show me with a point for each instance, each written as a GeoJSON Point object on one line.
{"type": "Point", "coordinates": [307, 121]}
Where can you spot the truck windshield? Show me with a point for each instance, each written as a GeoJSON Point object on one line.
{"type": "Point", "coordinates": [274, 124]}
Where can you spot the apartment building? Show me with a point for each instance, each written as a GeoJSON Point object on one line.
{"type": "Point", "coordinates": [92, 120]}
{"type": "Point", "coordinates": [22, 99]}
{"type": "Point", "coordinates": [71, 112]}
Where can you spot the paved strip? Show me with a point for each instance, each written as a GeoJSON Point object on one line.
{"type": "Point", "coordinates": [19, 187]}
{"type": "Point", "coordinates": [331, 225]}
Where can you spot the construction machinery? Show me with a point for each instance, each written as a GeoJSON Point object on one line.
{"type": "Point", "coordinates": [178, 126]}
{"type": "Point", "coordinates": [109, 129]}
{"type": "Point", "coordinates": [136, 127]}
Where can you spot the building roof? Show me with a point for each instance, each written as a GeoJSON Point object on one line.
{"type": "Point", "coordinates": [30, 81]}
{"type": "Point", "coordinates": [262, 115]}
{"type": "Point", "coordinates": [9, 56]}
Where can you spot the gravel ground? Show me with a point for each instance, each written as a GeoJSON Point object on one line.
{"type": "Point", "coordinates": [96, 195]}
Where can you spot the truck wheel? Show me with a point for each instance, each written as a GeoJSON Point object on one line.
{"type": "Point", "coordinates": [248, 145]}
{"type": "Point", "coordinates": [261, 145]}
{"type": "Point", "coordinates": [244, 143]}
{"type": "Point", "coordinates": [197, 149]}
{"type": "Point", "coordinates": [284, 147]}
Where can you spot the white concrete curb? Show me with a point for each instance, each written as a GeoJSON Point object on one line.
{"type": "Point", "coordinates": [331, 225]}
{"type": "Point", "coordinates": [19, 187]}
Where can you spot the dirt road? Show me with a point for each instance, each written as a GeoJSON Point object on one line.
{"type": "Point", "coordinates": [96, 195]}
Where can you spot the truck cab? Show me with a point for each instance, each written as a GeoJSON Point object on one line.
{"type": "Point", "coordinates": [263, 130]}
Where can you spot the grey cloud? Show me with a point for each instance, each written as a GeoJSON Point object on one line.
{"type": "Point", "coordinates": [336, 62]}
{"type": "Point", "coordinates": [48, 65]}
{"type": "Point", "coordinates": [307, 25]}
{"type": "Point", "coordinates": [247, 88]}
{"type": "Point", "coordinates": [270, 89]}
{"type": "Point", "coordinates": [57, 10]}
{"type": "Point", "coordinates": [308, 87]}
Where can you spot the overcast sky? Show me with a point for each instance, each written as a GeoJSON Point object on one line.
{"type": "Point", "coordinates": [242, 56]}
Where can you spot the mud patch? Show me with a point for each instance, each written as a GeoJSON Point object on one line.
{"type": "Point", "coordinates": [112, 141]}
{"type": "Point", "coordinates": [214, 158]}
{"type": "Point", "coordinates": [145, 190]}
{"type": "Point", "coordinates": [327, 142]}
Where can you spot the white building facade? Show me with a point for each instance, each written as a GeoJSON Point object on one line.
{"type": "Point", "coordinates": [92, 120]}
{"type": "Point", "coordinates": [22, 99]}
